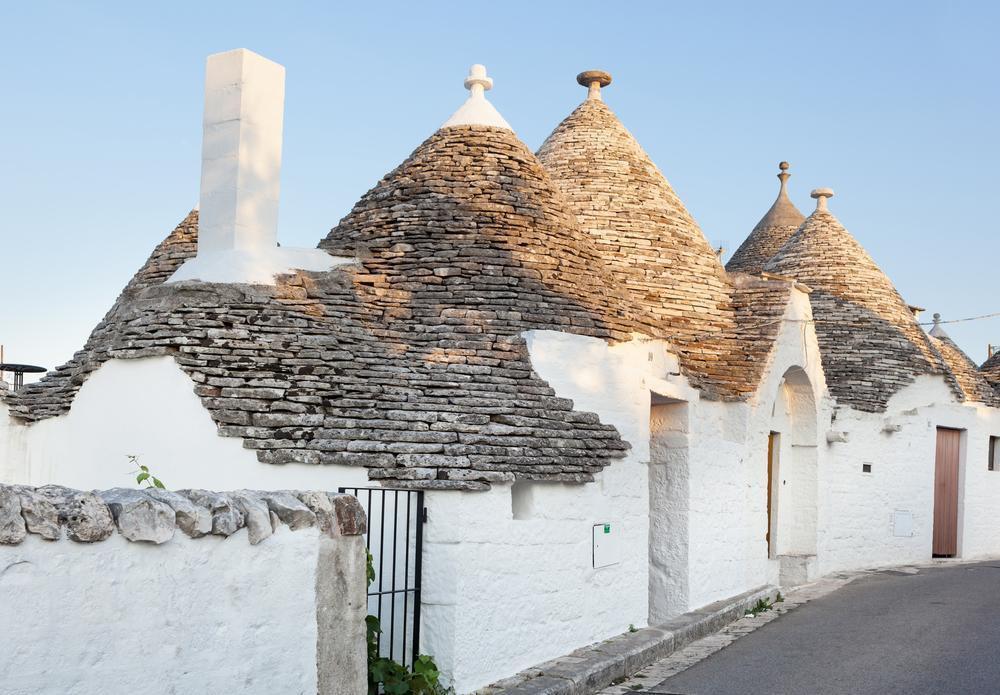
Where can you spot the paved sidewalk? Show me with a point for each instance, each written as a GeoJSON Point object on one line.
{"type": "Point", "coordinates": [705, 647]}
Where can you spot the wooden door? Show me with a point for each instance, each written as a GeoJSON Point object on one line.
{"type": "Point", "coordinates": [772, 453]}
{"type": "Point", "coordinates": [946, 492]}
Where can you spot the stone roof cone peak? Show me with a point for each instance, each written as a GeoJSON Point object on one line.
{"type": "Point", "coordinates": [477, 110]}
{"type": "Point", "coordinates": [774, 229]}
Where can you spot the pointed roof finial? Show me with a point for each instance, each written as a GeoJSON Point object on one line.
{"type": "Point", "coordinates": [477, 110]}
{"type": "Point", "coordinates": [936, 329]}
{"type": "Point", "coordinates": [593, 80]}
{"type": "Point", "coordinates": [784, 175]}
{"type": "Point", "coordinates": [821, 195]}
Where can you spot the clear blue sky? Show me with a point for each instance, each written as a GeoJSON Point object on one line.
{"type": "Point", "coordinates": [895, 105]}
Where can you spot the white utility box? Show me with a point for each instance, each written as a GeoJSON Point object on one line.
{"type": "Point", "coordinates": [607, 545]}
{"type": "Point", "coordinates": [902, 524]}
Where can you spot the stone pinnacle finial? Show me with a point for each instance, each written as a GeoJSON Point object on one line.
{"type": "Point", "coordinates": [783, 176]}
{"type": "Point", "coordinates": [821, 195]}
{"type": "Point", "coordinates": [593, 80]}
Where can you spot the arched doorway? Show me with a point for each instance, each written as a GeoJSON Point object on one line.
{"type": "Point", "coordinates": [792, 478]}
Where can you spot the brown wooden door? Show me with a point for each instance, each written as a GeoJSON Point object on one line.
{"type": "Point", "coordinates": [772, 452]}
{"type": "Point", "coordinates": [946, 492]}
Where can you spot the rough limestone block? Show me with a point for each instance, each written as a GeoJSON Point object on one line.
{"type": "Point", "coordinates": [289, 509]}
{"type": "Point", "coordinates": [12, 529]}
{"type": "Point", "coordinates": [320, 505]}
{"type": "Point", "coordinates": [256, 516]}
{"type": "Point", "coordinates": [350, 515]}
{"type": "Point", "coordinates": [138, 516]}
{"type": "Point", "coordinates": [195, 521]}
{"type": "Point", "coordinates": [40, 515]}
{"type": "Point", "coordinates": [85, 516]}
{"type": "Point", "coordinates": [227, 519]}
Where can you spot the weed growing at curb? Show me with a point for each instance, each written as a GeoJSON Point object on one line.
{"type": "Point", "coordinates": [761, 606]}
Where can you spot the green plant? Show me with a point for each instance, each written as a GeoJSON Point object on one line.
{"type": "Point", "coordinates": [143, 475]}
{"type": "Point", "coordinates": [761, 606]}
{"type": "Point", "coordinates": [779, 598]}
{"type": "Point", "coordinates": [632, 628]}
{"type": "Point", "coordinates": [390, 677]}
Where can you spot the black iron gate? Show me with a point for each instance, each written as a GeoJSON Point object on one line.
{"type": "Point", "coordinates": [395, 540]}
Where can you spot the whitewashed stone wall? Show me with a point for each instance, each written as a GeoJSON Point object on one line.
{"type": "Point", "coordinates": [688, 502]}
{"type": "Point", "coordinates": [857, 509]}
{"type": "Point", "coordinates": [145, 607]}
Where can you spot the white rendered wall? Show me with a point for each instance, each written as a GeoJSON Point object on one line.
{"type": "Point", "coordinates": [502, 594]}
{"type": "Point", "coordinates": [856, 508]}
{"type": "Point", "coordinates": [147, 407]}
{"type": "Point", "coordinates": [210, 615]}
{"type": "Point", "coordinates": [493, 583]}
{"type": "Point", "coordinates": [728, 471]}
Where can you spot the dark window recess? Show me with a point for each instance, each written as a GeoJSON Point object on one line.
{"type": "Point", "coordinates": [866, 468]}
{"type": "Point", "coordinates": [994, 464]}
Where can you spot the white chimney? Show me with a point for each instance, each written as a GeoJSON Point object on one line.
{"type": "Point", "coordinates": [240, 176]}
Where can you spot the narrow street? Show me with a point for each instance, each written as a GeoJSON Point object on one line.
{"type": "Point", "coordinates": [934, 631]}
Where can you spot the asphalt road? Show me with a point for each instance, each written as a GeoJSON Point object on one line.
{"type": "Point", "coordinates": [937, 632]}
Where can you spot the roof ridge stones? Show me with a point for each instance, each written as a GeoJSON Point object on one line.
{"type": "Point", "coordinates": [777, 225]}
{"type": "Point", "coordinates": [869, 340]}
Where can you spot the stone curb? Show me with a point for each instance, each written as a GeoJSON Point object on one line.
{"type": "Point", "coordinates": [587, 670]}
{"type": "Point", "coordinates": [153, 515]}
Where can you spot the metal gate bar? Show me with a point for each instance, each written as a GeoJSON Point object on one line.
{"type": "Point", "coordinates": [404, 544]}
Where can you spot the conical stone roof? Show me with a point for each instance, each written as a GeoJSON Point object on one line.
{"type": "Point", "coordinates": [770, 234]}
{"type": "Point", "coordinates": [410, 362]}
{"type": "Point", "coordinates": [990, 369]}
{"type": "Point", "coordinates": [974, 385]}
{"type": "Point", "coordinates": [471, 227]}
{"type": "Point", "coordinates": [869, 340]}
{"type": "Point", "coordinates": [647, 239]}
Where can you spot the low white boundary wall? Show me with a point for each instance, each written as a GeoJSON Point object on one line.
{"type": "Point", "coordinates": [204, 593]}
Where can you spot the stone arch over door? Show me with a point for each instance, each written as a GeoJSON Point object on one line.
{"type": "Point", "coordinates": [793, 478]}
